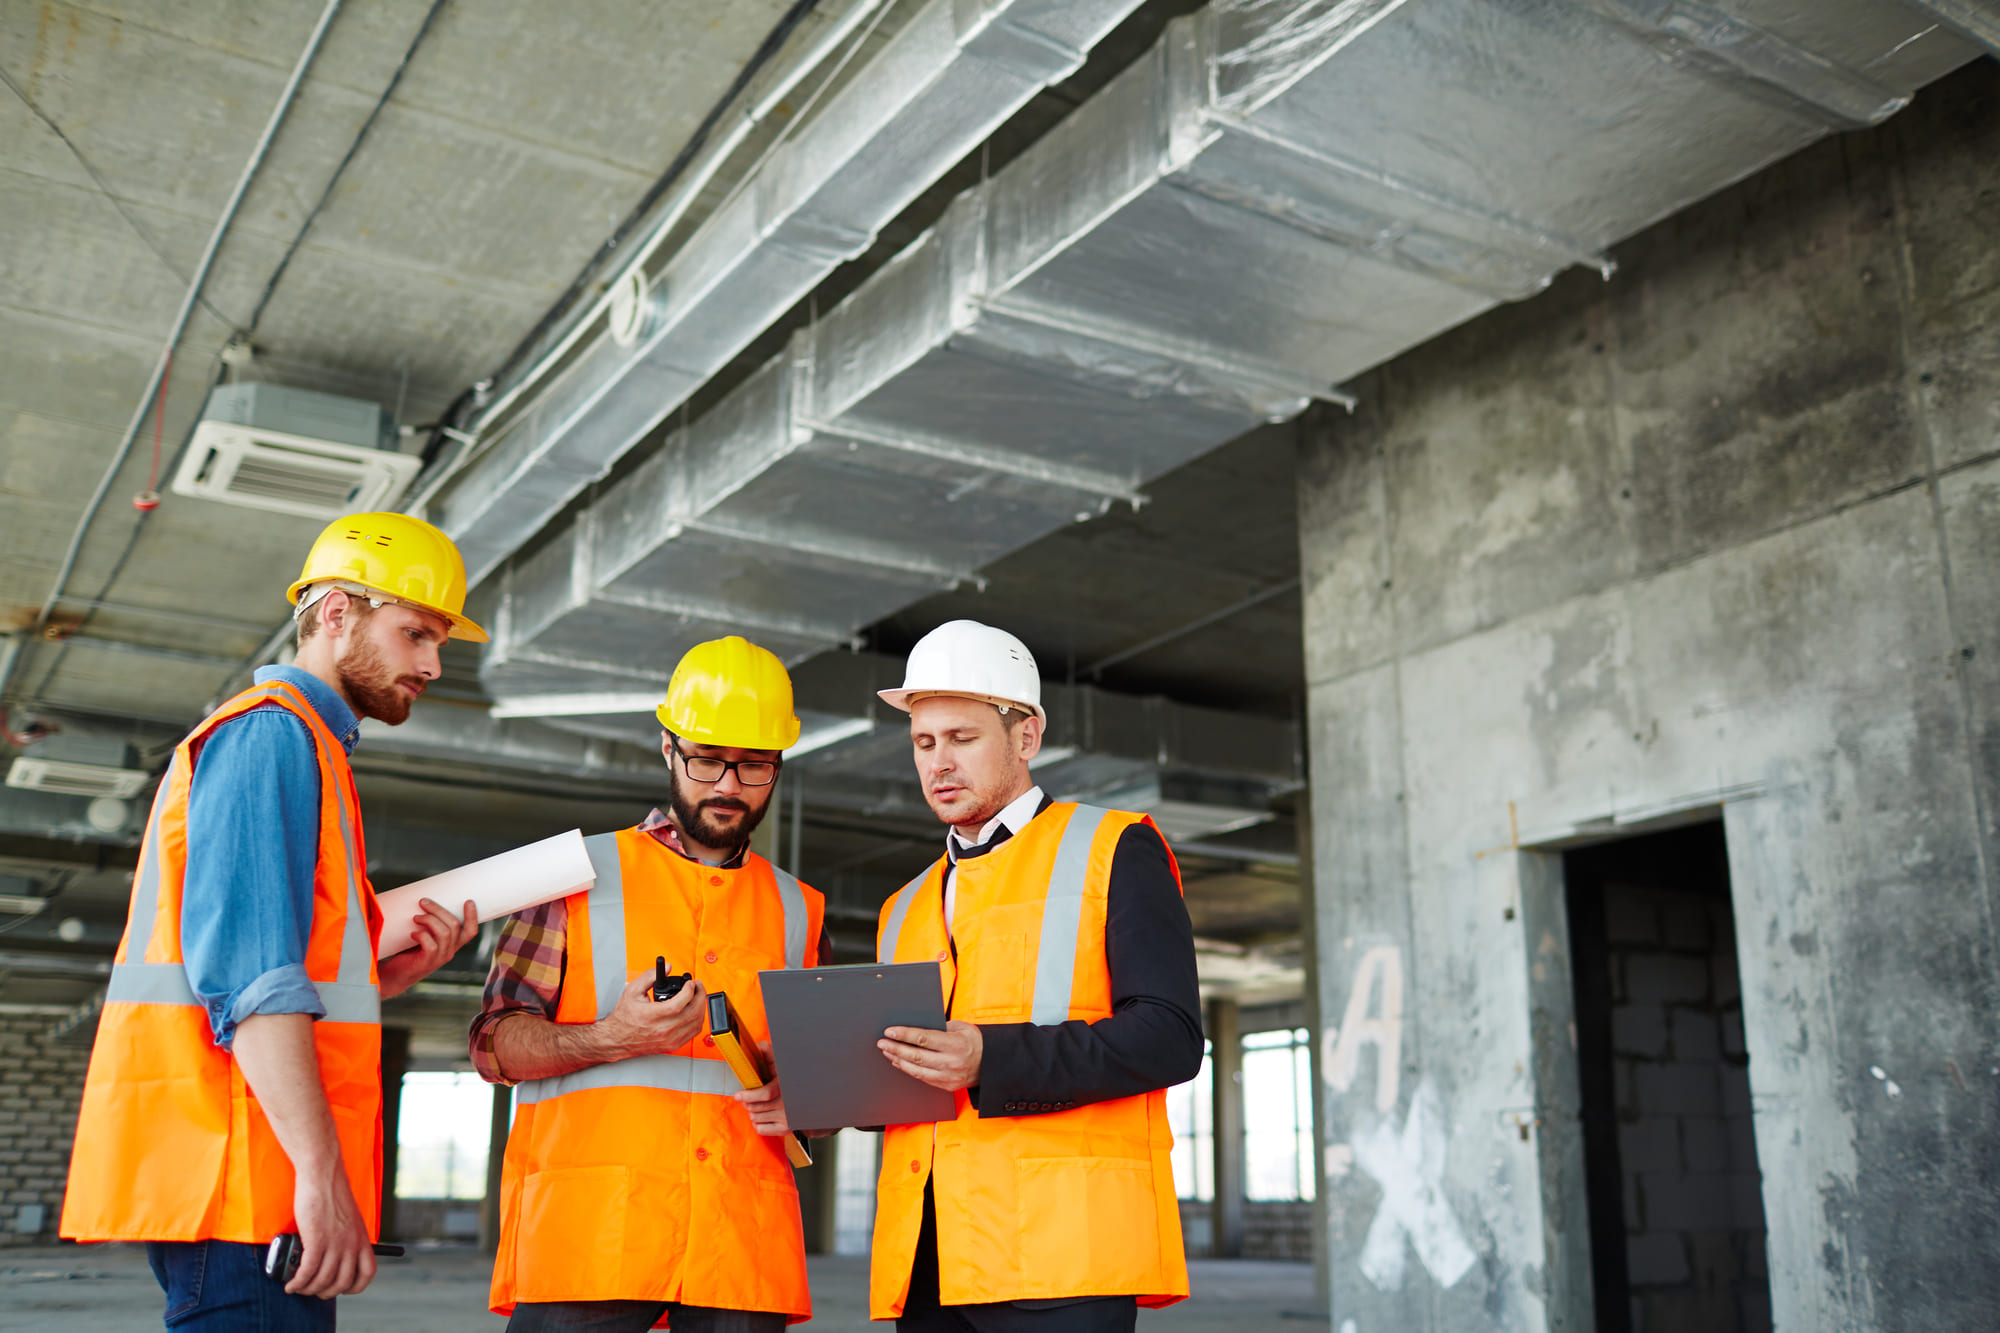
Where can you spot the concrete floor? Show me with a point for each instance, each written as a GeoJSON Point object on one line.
{"type": "Point", "coordinates": [110, 1288]}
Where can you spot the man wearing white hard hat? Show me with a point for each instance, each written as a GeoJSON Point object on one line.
{"type": "Point", "coordinates": [1067, 962]}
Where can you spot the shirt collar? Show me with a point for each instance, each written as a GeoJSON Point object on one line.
{"type": "Point", "coordinates": [663, 831]}
{"type": "Point", "coordinates": [1014, 818]}
{"type": "Point", "coordinates": [325, 700]}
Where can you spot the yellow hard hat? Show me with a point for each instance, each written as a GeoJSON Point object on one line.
{"type": "Point", "coordinates": [730, 692]}
{"type": "Point", "coordinates": [398, 557]}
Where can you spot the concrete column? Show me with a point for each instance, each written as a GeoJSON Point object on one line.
{"type": "Point", "coordinates": [814, 1183]}
{"type": "Point", "coordinates": [826, 1152]}
{"type": "Point", "coordinates": [395, 1063]}
{"type": "Point", "coordinates": [1316, 1026]}
{"type": "Point", "coordinates": [1225, 1034]}
{"type": "Point", "coordinates": [496, 1155]}
{"type": "Point", "coordinates": [819, 1187]}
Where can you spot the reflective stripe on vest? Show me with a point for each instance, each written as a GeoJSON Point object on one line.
{"type": "Point", "coordinates": [885, 952]}
{"type": "Point", "coordinates": [1062, 917]}
{"type": "Point", "coordinates": [350, 998]}
{"type": "Point", "coordinates": [668, 1073]}
{"type": "Point", "coordinates": [167, 983]}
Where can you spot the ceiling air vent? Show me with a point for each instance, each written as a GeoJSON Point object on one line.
{"type": "Point", "coordinates": [295, 452]}
{"type": "Point", "coordinates": [71, 779]}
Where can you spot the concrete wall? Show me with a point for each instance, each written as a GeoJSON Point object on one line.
{"type": "Point", "coordinates": [41, 1086]}
{"type": "Point", "coordinates": [1723, 532]}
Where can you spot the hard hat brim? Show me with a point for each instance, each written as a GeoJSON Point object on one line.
{"type": "Point", "coordinates": [903, 698]}
{"type": "Point", "coordinates": [783, 738]}
{"type": "Point", "coordinates": [461, 627]}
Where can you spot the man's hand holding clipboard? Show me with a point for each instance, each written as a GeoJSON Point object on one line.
{"type": "Point", "coordinates": [948, 1060]}
{"type": "Point", "coordinates": [828, 1029]}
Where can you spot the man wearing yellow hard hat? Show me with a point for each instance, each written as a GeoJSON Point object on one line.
{"type": "Point", "coordinates": [641, 1183]}
{"type": "Point", "coordinates": [234, 1092]}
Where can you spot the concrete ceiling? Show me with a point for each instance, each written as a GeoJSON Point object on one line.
{"type": "Point", "coordinates": [517, 140]}
{"type": "Point", "coordinates": [1218, 533]}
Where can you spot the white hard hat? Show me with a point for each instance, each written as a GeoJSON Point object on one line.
{"type": "Point", "coordinates": [971, 661]}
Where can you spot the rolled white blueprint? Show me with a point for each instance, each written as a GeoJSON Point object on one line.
{"type": "Point", "coordinates": [498, 886]}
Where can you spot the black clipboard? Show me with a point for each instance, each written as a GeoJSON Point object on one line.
{"type": "Point", "coordinates": [825, 1022]}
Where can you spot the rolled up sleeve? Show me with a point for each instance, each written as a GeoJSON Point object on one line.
{"type": "Point", "coordinates": [253, 847]}
{"type": "Point", "coordinates": [526, 978]}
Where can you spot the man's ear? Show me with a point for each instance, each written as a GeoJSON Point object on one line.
{"type": "Point", "coordinates": [1028, 736]}
{"type": "Point", "coordinates": [332, 611]}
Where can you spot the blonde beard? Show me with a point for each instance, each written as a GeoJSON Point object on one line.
{"type": "Point", "coordinates": [366, 679]}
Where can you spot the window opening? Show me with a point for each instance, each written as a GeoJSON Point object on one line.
{"type": "Point", "coordinates": [1277, 1116]}
{"type": "Point", "coordinates": [1191, 1116]}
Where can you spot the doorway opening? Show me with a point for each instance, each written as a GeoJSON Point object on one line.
{"type": "Point", "coordinates": [1670, 1163]}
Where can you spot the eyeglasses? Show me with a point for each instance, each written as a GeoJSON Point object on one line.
{"type": "Point", "coordinates": [749, 772]}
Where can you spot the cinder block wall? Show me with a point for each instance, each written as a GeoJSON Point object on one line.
{"type": "Point", "coordinates": [1720, 534]}
{"type": "Point", "coordinates": [1271, 1229]}
{"type": "Point", "coordinates": [1693, 1210]}
{"type": "Point", "coordinates": [41, 1085]}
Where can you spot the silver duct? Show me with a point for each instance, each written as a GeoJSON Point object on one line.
{"type": "Point", "coordinates": [934, 93]}
{"type": "Point", "coordinates": [1275, 198]}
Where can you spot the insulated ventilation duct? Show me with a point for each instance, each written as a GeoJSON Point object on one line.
{"type": "Point", "coordinates": [1273, 199]}
{"type": "Point", "coordinates": [945, 82]}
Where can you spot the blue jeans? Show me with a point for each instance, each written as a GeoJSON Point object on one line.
{"type": "Point", "coordinates": [219, 1286]}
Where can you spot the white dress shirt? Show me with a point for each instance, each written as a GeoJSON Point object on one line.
{"type": "Point", "coordinates": [1014, 818]}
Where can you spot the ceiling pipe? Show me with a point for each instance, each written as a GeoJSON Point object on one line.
{"type": "Point", "coordinates": [193, 294]}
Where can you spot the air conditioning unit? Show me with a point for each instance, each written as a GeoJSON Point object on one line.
{"type": "Point", "coordinates": [70, 765]}
{"type": "Point", "coordinates": [295, 452]}
{"type": "Point", "coordinates": [66, 779]}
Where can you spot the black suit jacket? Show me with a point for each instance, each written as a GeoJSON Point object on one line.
{"type": "Point", "coordinates": [1153, 1037]}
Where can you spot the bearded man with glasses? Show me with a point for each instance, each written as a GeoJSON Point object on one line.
{"type": "Point", "coordinates": [641, 1183]}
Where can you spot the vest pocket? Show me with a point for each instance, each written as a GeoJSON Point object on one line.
{"type": "Point", "coordinates": [991, 982]}
{"type": "Point", "coordinates": [572, 1229]}
{"type": "Point", "coordinates": [1089, 1226]}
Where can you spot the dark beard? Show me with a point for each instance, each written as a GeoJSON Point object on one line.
{"type": "Point", "coordinates": [701, 828]}
{"type": "Point", "coordinates": [366, 679]}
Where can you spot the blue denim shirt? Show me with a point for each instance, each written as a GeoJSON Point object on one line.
{"type": "Point", "coordinates": [252, 846]}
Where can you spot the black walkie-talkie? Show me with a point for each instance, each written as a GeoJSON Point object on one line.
{"type": "Point", "coordinates": [664, 986]}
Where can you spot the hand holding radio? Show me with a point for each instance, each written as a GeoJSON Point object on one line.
{"type": "Point", "coordinates": [664, 986]}
{"type": "Point", "coordinates": [642, 1024]}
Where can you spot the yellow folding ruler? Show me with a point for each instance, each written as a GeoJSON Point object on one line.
{"type": "Point", "coordinates": [723, 1025]}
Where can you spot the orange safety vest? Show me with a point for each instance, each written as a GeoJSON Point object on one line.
{"type": "Point", "coordinates": [1068, 1203]}
{"type": "Point", "coordinates": [642, 1179]}
{"type": "Point", "coordinates": [170, 1141]}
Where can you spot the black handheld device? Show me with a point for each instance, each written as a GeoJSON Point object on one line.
{"type": "Point", "coordinates": [281, 1261]}
{"type": "Point", "coordinates": [664, 986]}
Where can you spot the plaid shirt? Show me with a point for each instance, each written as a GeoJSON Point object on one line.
{"type": "Point", "coordinates": [528, 962]}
